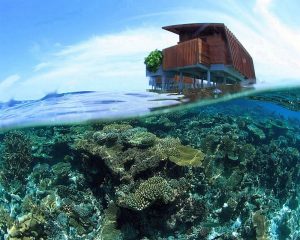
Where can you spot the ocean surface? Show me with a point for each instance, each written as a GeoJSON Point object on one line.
{"type": "Point", "coordinates": [143, 165]}
{"type": "Point", "coordinates": [78, 107]}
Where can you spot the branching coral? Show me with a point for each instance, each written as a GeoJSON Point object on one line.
{"type": "Point", "coordinates": [166, 147]}
{"type": "Point", "coordinates": [6, 220]}
{"type": "Point", "coordinates": [155, 123]}
{"type": "Point", "coordinates": [210, 142]}
{"type": "Point", "coordinates": [61, 171]}
{"type": "Point", "coordinates": [17, 159]}
{"type": "Point", "coordinates": [152, 190]}
{"type": "Point", "coordinates": [116, 128]}
{"type": "Point", "coordinates": [228, 147]}
{"type": "Point", "coordinates": [81, 218]}
{"type": "Point", "coordinates": [138, 137]}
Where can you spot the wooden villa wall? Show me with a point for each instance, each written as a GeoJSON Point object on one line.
{"type": "Point", "coordinates": [240, 58]}
{"type": "Point", "coordinates": [185, 54]}
{"type": "Point", "coordinates": [218, 51]}
{"type": "Point", "coordinates": [207, 44]}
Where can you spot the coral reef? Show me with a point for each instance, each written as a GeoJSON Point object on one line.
{"type": "Point", "coordinates": [224, 171]}
{"type": "Point", "coordinates": [149, 191]}
{"type": "Point", "coordinates": [29, 226]}
{"type": "Point", "coordinates": [260, 225]}
{"type": "Point", "coordinates": [109, 229]}
{"type": "Point", "coordinates": [138, 137]}
{"type": "Point", "coordinates": [16, 160]}
{"type": "Point", "coordinates": [6, 221]}
{"type": "Point", "coordinates": [187, 156]}
{"type": "Point", "coordinates": [257, 132]}
{"type": "Point", "coordinates": [135, 150]}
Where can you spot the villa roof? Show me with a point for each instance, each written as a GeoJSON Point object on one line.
{"type": "Point", "coordinates": [192, 27]}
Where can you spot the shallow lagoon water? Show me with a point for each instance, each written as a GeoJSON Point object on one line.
{"type": "Point", "coordinates": [93, 166]}
{"type": "Point", "coordinates": [81, 106]}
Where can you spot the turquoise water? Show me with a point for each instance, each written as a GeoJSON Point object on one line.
{"type": "Point", "coordinates": [78, 107]}
{"type": "Point", "coordinates": [92, 165]}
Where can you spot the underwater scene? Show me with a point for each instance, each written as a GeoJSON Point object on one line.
{"type": "Point", "coordinates": [226, 168]}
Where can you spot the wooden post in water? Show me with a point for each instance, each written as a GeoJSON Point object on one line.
{"type": "Point", "coordinates": [163, 82]}
{"type": "Point", "coordinates": [208, 78]}
{"type": "Point", "coordinates": [180, 83]}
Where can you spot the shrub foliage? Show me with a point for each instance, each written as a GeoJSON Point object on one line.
{"type": "Point", "coordinates": [154, 60]}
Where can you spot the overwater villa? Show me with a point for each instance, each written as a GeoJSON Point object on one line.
{"type": "Point", "coordinates": [207, 54]}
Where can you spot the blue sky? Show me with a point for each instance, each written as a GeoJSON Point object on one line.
{"type": "Point", "coordinates": [73, 45]}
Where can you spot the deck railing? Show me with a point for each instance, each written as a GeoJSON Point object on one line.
{"type": "Point", "coordinates": [187, 53]}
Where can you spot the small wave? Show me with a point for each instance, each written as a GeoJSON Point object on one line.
{"type": "Point", "coordinates": [69, 108]}
{"type": "Point", "coordinates": [79, 107]}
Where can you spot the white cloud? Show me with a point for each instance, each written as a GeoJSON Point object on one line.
{"type": "Point", "coordinates": [279, 52]}
{"type": "Point", "coordinates": [7, 85]}
{"type": "Point", "coordinates": [41, 66]}
{"type": "Point", "coordinates": [104, 63]}
{"type": "Point", "coordinates": [273, 45]}
{"type": "Point", "coordinates": [8, 82]}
